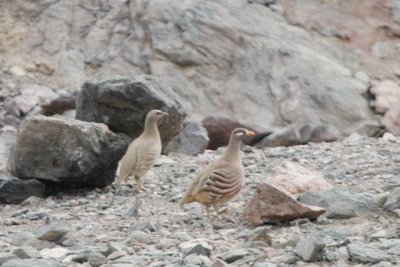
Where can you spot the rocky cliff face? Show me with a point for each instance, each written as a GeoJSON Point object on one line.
{"type": "Point", "coordinates": [266, 65]}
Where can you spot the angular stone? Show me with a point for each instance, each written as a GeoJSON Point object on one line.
{"type": "Point", "coordinates": [138, 237]}
{"type": "Point", "coordinates": [192, 140]}
{"type": "Point", "coordinates": [393, 201]}
{"type": "Point", "coordinates": [70, 152]}
{"type": "Point", "coordinates": [340, 204]}
{"type": "Point", "coordinates": [366, 254]}
{"type": "Point", "coordinates": [51, 232]}
{"type": "Point", "coordinates": [297, 179]}
{"type": "Point", "coordinates": [260, 234]}
{"type": "Point", "coordinates": [54, 253]}
{"type": "Point", "coordinates": [201, 249]}
{"type": "Point", "coordinates": [123, 104]}
{"type": "Point", "coordinates": [65, 101]}
{"type": "Point", "coordinates": [27, 252]}
{"type": "Point", "coordinates": [234, 255]}
{"type": "Point", "coordinates": [310, 249]}
{"type": "Point", "coordinates": [144, 225]}
{"type": "Point", "coordinates": [198, 246]}
{"type": "Point", "coordinates": [96, 259]}
{"type": "Point", "coordinates": [270, 204]}
{"type": "Point", "coordinates": [31, 263]}
{"type": "Point", "coordinates": [14, 190]}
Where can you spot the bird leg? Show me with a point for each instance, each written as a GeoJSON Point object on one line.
{"type": "Point", "coordinates": [139, 186]}
{"type": "Point", "coordinates": [207, 211]}
{"type": "Point", "coordinates": [216, 208]}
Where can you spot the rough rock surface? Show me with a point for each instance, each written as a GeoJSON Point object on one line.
{"type": "Point", "coordinates": [8, 137]}
{"type": "Point", "coordinates": [14, 190]}
{"type": "Point", "coordinates": [192, 140]}
{"type": "Point", "coordinates": [257, 69]}
{"type": "Point", "coordinates": [271, 204]}
{"type": "Point", "coordinates": [296, 179]}
{"type": "Point", "coordinates": [153, 235]}
{"type": "Point", "coordinates": [340, 204]}
{"type": "Point", "coordinates": [69, 152]}
{"type": "Point", "coordinates": [391, 119]}
{"type": "Point", "coordinates": [386, 94]}
{"type": "Point", "coordinates": [123, 104]}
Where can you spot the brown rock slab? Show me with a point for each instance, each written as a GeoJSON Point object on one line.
{"type": "Point", "coordinates": [297, 179]}
{"type": "Point", "coordinates": [271, 204]}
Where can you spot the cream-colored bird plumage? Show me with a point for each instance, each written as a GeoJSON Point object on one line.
{"type": "Point", "coordinates": [143, 151]}
{"type": "Point", "coordinates": [222, 180]}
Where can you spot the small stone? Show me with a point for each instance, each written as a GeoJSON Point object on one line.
{"type": "Point", "coordinates": [310, 249]}
{"type": "Point", "coordinates": [115, 255]}
{"type": "Point", "coordinates": [56, 253]}
{"type": "Point", "coordinates": [366, 254]}
{"type": "Point", "coordinates": [166, 243]}
{"type": "Point", "coordinates": [143, 226]}
{"type": "Point", "coordinates": [196, 245]}
{"type": "Point", "coordinates": [27, 252]}
{"type": "Point", "coordinates": [234, 255]}
{"type": "Point", "coordinates": [182, 236]}
{"type": "Point", "coordinates": [31, 263]}
{"type": "Point", "coordinates": [138, 237]}
{"type": "Point", "coordinates": [96, 259]}
{"type": "Point", "coordinates": [259, 234]}
{"type": "Point", "coordinates": [381, 198]}
{"type": "Point", "coordinates": [51, 232]}
{"type": "Point", "coordinates": [200, 249]}
{"type": "Point", "coordinates": [196, 260]}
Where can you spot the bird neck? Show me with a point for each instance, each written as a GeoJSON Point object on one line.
{"type": "Point", "coordinates": [150, 128]}
{"type": "Point", "coordinates": [233, 150]}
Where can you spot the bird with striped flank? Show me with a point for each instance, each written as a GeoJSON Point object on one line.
{"type": "Point", "coordinates": [222, 180]}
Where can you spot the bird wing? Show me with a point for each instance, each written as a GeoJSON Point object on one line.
{"type": "Point", "coordinates": [218, 181]}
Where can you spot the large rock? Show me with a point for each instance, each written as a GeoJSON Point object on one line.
{"type": "Point", "coordinates": [299, 134]}
{"type": "Point", "coordinates": [270, 204]}
{"type": "Point", "coordinates": [393, 201]}
{"type": "Point", "coordinates": [14, 190]}
{"type": "Point", "coordinates": [387, 94]}
{"type": "Point", "coordinates": [225, 58]}
{"type": "Point", "coordinates": [391, 119]}
{"type": "Point", "coordinates": [123, 104]}
{"type": "Point", "coordinates": [8, 138]}
{"type": "Point", "coordinates": [297, 179]}
{"type": "Point", "coordinates": [340, 204]}
{"type": "Point", "coordinates": [69, 152]}
{"type": "Point", "coordinates": [367, 254]}
{"type": "Point", "coordinates": [192, 140]}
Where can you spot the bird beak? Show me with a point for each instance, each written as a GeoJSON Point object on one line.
{"type": "Point", "coordinates": [165, 114]}
{"type": "Point", "coordinates": [250, 133]}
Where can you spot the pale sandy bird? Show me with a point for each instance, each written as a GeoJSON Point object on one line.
{"type": "Point", "coordinates": [143, 151]}
{"type": "Point", "coordinates": [222, 180]}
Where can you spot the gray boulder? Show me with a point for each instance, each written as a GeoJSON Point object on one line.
{"type": "Point", "coordinates": [14, 190]}
{"type": "Point", "coordinates": [310, 249]}
{"type": "Point", "coordinates": [68, 152]}
{"type": "Point", "coordinates": [340, 204]}
{"type": "Point", "coordinates": [366, 254]}
{"type": "Point", "coordinates": [192, 140]}
{"type": "Point", "coordinates": [123, 104]}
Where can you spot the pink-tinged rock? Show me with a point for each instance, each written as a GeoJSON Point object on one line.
{"type": "Point", "coordinates": [391, 120]}
{"type": "Point", "coordinates": [297, 179]}
{"type": "Point", "coordinates": [387, 95]}
{"type": "Point", "coordinates": [270, 204]}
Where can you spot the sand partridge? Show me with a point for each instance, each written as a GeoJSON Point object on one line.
{"type": "Point", "coordinates": [143, 151]}
{"type": "Point", "coordinates": [222, 180]}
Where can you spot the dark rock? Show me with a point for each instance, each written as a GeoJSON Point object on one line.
{"type": "Point", "coordinates": [393, 201]}
{"type": "Point", "coordinates": [65, 101]}
{"type": "Point", "coordinates": [201, 249]}
{"type": "Point", "coordinates": [270, 204]}
{"type": "Point", "coordinates": [68, 152]}
{"type": "Point", "coordinates": [8, 138]}
{"type": "Point", "coordinates": [123, 104]}
{"type": "Point", "coordinates": [31, 263]}
{"type": "Point", "coordinates": [51, 232]}
{"type": "Point", "coordinates": [14, 190]}
{"type": "Point", "coordinates": [340, 204]}
{"type": "Point", "coordinates": [299, 134]}
{"type": "Point", "coordinates": [219, 130]}
{"type": "Point", "coordinates": [192, 140]}
{"type": "Point", "coordinates": [310, 249]}
{"type": "Point", "coordinates": [366, 254]}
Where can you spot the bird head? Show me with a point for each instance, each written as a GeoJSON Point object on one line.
{"type": "Point", "coordinates": [241, 133]}
{"type": "Point", "coordinates": [156, 114]}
